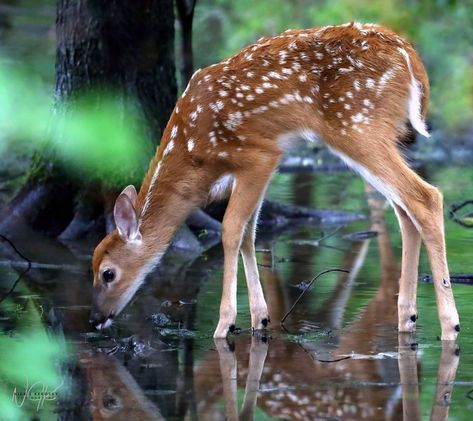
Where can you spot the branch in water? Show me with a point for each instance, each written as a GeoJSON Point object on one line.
{"type": "Point", "coordinates": [308, 287]}
{"type": "Point", "coordinates": [28, 261]}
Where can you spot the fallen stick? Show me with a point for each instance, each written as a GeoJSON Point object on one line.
{"type": "Point", "coordinates": [462, 278]}
{"type": "Point", "coordinates": [307, 288]}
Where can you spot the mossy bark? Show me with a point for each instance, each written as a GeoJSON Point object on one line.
{"type": "Point", "coordinates": [123, 46]}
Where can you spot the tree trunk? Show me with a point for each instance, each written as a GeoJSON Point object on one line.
{"type": "Point", "coordinates": [185, 10]}
{"type": "Point", "coordinates": [125, 46]}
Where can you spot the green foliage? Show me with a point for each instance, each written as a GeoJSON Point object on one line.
{"type": "Point", "coordinates": [30, 363]}
{"type": "Point", "coordinates": [101, 139]}
{"type": "Point", "coordinates": [25, 108]}
{"type": "Point", "coordinates": [96, 136]}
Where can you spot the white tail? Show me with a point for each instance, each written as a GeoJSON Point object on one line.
{"type": "Point", "coordinates": [415, 96]}
{"type": "Point", "coordinates": [353, 86]}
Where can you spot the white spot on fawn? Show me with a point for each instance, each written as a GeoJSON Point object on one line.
{"type": "Point", "coordinates": [308, 99]}
{"type": "Point", "coordinates": [169, 147]}
{"type": "Point", "coordinates": [357, 118]}
{"type": "Point", "coordinates": [387, 75]}
{"type": "Point", "coordinates": [190, 145]}
{"type": "Point", "coordinates": [216, 106]}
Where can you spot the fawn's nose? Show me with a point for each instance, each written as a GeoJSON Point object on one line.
{"type": "Point", "coordinates": [99, 320]}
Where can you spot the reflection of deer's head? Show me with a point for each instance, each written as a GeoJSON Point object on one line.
{"type": "Point", "coordinates": [114, 394]}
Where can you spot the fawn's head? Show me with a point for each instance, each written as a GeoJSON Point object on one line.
{"type": "Point", "coordinates": [117, 263]}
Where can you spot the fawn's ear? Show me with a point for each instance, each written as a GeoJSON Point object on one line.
{"type": "Point", "coordinates": [130, 191]}
{"type": "Point", "coordinates": [126, 219]}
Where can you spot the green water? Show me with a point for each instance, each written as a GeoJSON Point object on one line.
{"type": "Point", "coordinates": [159, 358]}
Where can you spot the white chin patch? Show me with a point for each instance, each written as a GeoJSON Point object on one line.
{"type": "Point", "coordinates": [104, 325]}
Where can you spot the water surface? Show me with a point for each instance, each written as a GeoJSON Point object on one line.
{"type": "Point", "coordinates": [338, 355]}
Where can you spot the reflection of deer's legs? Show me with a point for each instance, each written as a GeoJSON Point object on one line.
{"type": "Point", "coordinates": [411, 241]}
{"type": "Point", "coordinates": [258, 352]}
{"type": "Point", "coordinates": [258, 307]}
{"type": "Point", "coordinates": [446, 376]}
{"type": "Point", "coordinates": [228, 371]}
{"type": "Point", "coordinates": [409, 381]}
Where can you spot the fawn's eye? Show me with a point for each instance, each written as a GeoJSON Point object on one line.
{"type": "Point", "coordinates": [108, 275]}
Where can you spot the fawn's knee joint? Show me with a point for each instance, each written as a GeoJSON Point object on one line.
{"type": "Point", "coordinates": [413, 318]}
{"type": "Point", "coordinates": [265, 322]}
{"type": "Point", "coordinates": [435, 197]}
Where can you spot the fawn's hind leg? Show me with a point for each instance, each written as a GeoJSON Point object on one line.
{"type": "Point", "coordinates": [258, 307]}
{"type": "Point", "coordinates": [381, 164]}
{"type": "Point", "coordinates": [411, 241]}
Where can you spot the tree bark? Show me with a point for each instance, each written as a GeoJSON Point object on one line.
{"type": "Point", "coordinates": [126, 46]}
{"type": "Point", "coordinates": [185, 9]}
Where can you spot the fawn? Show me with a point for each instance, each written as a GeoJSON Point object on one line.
{"type": "Point", "coordinates": [355, 87]}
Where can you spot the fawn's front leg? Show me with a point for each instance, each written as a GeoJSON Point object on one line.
{"type": "Point", "coordinates": [248, 189]}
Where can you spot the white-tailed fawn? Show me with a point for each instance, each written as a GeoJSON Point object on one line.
{"type": "Point", "coordinates": [355, 87]}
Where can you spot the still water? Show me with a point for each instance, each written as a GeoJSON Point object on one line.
{"type": "Point", "coordinates": [337, 356]}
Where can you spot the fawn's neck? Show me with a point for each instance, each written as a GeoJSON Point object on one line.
{"type": "Point", "coordinates": [163, 206]}
{"type": "Point", "coordinates": [167, 212]}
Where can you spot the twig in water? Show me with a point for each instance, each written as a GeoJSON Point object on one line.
{"type": "Point", "coordinates": [28, 261]}
{"type": "Point", "coordinates": [330, 234]}
{"type": "Point", "coordinates": [333, 361]}
{"type": "Point", "coordinates": [308, 287]}
{"type": "Point", "coordinates": [317, 243]}
{"type": "Point", "coordinates": [459, 220]}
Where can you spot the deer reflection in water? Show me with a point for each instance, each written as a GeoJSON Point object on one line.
{"type": "Point", "coordinates": [293, 381]}
{"type": "Point", "coordinates": [113, 392]}
{"type": "Point", "coordinates": [298, 381]}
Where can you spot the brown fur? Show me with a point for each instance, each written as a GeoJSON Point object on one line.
{"type": "Point", "coordinates": [349, 85]}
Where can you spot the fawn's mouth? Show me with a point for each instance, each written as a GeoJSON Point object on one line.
{"type": "Point", "coordinates": [104, 323]}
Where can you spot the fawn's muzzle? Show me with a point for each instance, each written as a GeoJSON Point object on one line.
{"type": "Point", "coordinates": [99, 320]}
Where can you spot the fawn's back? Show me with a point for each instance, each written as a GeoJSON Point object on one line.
{"type": "Point", "coordinates": [334, 83]}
